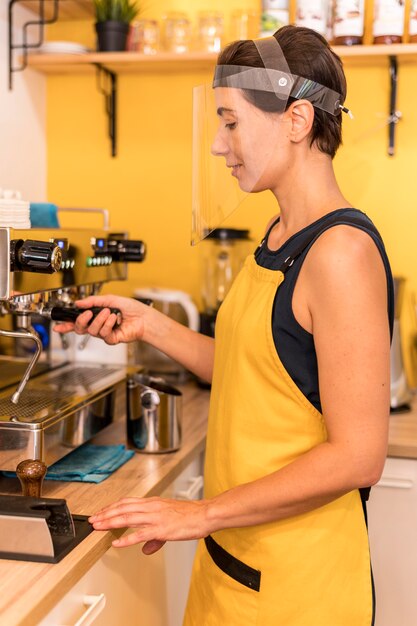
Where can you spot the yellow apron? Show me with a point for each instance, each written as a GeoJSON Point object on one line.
{"type": "Point", "coordinates": [315, 567]}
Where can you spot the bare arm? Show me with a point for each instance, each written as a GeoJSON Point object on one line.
{"type": "Point", "coordinates": [346, 305]}
{"type": "Point", "coordinates": [143, 323]}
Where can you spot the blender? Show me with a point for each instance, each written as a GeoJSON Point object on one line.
{"type": "Point", "coordinates": [224, 251]}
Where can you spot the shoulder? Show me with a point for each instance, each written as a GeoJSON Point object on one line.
{"type": "Point", "coordinates": [344, 269]}
{"type": "Point", "coordinates": [344, 247]}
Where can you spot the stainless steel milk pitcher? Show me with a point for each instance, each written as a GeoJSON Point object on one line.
{"type": "Point", "coordinates": [153, 415]}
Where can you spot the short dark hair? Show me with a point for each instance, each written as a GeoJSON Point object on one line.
{"type": "Point", "coordinates": [308, 55]}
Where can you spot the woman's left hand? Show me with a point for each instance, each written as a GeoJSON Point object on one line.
{"type": "Point", "coordinates": [156, 521]}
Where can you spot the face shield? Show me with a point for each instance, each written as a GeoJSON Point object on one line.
{"type": "Point", "coordinates": [236, 133]}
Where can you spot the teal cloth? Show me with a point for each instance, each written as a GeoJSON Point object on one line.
{"type": "Point", "coordinates": [88, 464]}
{"type": "Point", "coordinates": [43, 215]}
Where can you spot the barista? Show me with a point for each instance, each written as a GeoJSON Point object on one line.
{"type": "Point", "coordinates": [299, 366]}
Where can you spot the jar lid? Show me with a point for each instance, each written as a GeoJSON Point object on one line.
{"type": "Point", "coordinates": [228, 233]}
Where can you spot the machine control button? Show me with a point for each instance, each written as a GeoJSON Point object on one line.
{"type": "Point", "coordinates": [116, 248]}
{"type": "Point", "coordinates": [43, 257]}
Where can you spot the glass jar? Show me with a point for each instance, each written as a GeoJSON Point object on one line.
{"type": "Point", "coordinates": [388, 21]}
{"type": "Point", "coordinates": [413, 21]}
{"type": "Point", "coordinates": [313, 14]}
{"type": "Point", "coordinates": [176, 32]}
{"type": "Point", "coordinates": [210, 31]}
{"type": "Point", "coordinates": [244, 25]}
{"type": "Point", "coordinates": [275, 13]}
{"type": "Point", "coordinates": [147, 36]}
{"type": "Point", "coordinates": [348, 22]}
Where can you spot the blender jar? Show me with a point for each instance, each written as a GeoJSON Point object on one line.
{"type": "Point", "coordinates": [224, 252]}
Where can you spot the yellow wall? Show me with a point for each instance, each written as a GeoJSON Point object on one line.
{"type": "Point", "coordinates": [147, 186]}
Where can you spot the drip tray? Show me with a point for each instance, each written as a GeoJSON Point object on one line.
{"type": "Point", "coordinates": [56, 392]}
{"type": "Point", "coordinates": [59, 411]}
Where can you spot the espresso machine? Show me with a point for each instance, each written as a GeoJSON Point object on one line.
{"type": "Point", "coordinates": [50, 405]}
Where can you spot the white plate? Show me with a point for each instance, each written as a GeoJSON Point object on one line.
{"type": "Point", "coordinates": [62, 47]}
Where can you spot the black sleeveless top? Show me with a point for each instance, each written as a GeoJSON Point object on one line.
{"type": "Point", "coordinates": [295, 346]}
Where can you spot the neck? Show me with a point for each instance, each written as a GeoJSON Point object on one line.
{"type": "Point", "coordinates": [309, 191]}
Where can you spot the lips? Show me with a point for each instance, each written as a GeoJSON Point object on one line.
{"type": "Point", "coordinates": [235, 167]}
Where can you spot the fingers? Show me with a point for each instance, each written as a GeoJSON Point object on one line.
{"type": "Point", "coordinates": [150, 547]}
{"type": "Point", "coordinates": [102, 325]}
{"type": "Point", "coordinates": [120, 505]}
{"type": "Point", "coordinates": [131, 514]}
{"type": "Point", "coordinates": [90, 301]}
{"type": "Point", "coordinates": [139, 536]}
{"type": "Point", "coordinates": [82, 322]}
{"type": "Point", "coordinates": [63, 327]}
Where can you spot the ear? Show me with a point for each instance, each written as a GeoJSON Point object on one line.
{"type": "Point", "coordinates": [301, 114]}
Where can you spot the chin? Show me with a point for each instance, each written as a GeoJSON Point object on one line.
{"type": "Point", "coordinates": [245, 187]}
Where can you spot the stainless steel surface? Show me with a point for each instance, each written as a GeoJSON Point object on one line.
{"type": "Point", "coordinates": [59, 411]}
{"type": "Point", "coordinates": [25, 535]}
{"type": "Point", "coordinates": [4, 263]}
{"type": "Point", "coordinates": [153, 415]}
{"type": "Point", "coordinates": [103, 212]}
{"type": "Point", "coordinates": [33, 527]}
{"type": "Point", "coordinates": [400, 391]}
{"type": "Point", "coordinates": [24, 334]}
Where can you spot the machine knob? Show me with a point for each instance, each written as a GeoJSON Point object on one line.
{"type": "Point", "coordinates": [31, 474]}
{"type": "Point", "coordinates": [125, 250]}
{"type": "Point", "coordinates": [128, 250]}
{"type": "Point", "coordinates": [43, 257]}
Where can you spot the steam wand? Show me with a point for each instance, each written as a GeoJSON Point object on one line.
{"type": "Point", "coordinates": [24, 334]}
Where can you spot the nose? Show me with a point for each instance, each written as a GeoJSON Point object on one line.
{"type": "Point", "coordinates": [219, 146]}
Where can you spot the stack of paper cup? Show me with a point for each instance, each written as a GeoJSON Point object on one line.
{"type": "Point", "coordinates": [14, 212]}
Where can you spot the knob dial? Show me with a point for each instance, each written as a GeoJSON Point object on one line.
{"type": "Point", "coordinates": [125, 250]}
{"type": "Point", "coordinates": [43, 257]}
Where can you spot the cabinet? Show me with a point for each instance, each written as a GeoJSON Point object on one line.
{"type": "Point", "coordinates": [392, 512]}
{"type": "Point", "coordinates": [126, 587]}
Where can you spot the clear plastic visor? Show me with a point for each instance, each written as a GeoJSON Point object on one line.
{"type": "Point", "coordinates": [234, 144]}
{"type": "Point", "coordinates": [237, 132]}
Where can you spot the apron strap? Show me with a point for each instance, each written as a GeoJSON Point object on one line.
{"type": "Point", "coordinates": [321, 228]}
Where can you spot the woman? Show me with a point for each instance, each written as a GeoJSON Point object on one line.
{"type": "Point", "coordinates": [300, 373]}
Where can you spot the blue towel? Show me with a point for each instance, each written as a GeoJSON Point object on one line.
{"type": "Point", "coordinates": [43, 215]}
{"type": "Point", "coordinates": [88, 464]}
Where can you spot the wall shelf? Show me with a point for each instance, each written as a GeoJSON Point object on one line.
{"type": "Point", "coordinates": [68, 9]}
{"type": "Point", "coordinates": [121, 62]}
{"type": "Point", "coordinates": [128, 62]}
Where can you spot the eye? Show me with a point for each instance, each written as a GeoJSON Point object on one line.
{"type": "Point", "coordinates": [231, 126]}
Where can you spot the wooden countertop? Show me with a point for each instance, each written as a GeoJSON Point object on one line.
{"type": "Point", "coordinates": [403, 433]}
{"type": "Point", "coordinates": [30, 590]}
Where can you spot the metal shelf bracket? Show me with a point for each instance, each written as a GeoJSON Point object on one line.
{"type": "Point", "coordinates": [394, 115]}
{"type": "Point", "coordinates": [107, 85]}
{"type": "Point", "coordinates": [24, 46]}
{"type": "Point", "coordinates": [106, 79]}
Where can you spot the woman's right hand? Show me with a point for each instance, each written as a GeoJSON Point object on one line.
{"type": "Point", "coordinates": [132, 326]}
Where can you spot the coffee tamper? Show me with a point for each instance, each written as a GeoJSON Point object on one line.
{"type": "Point", "coordinates": [31, 474]}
